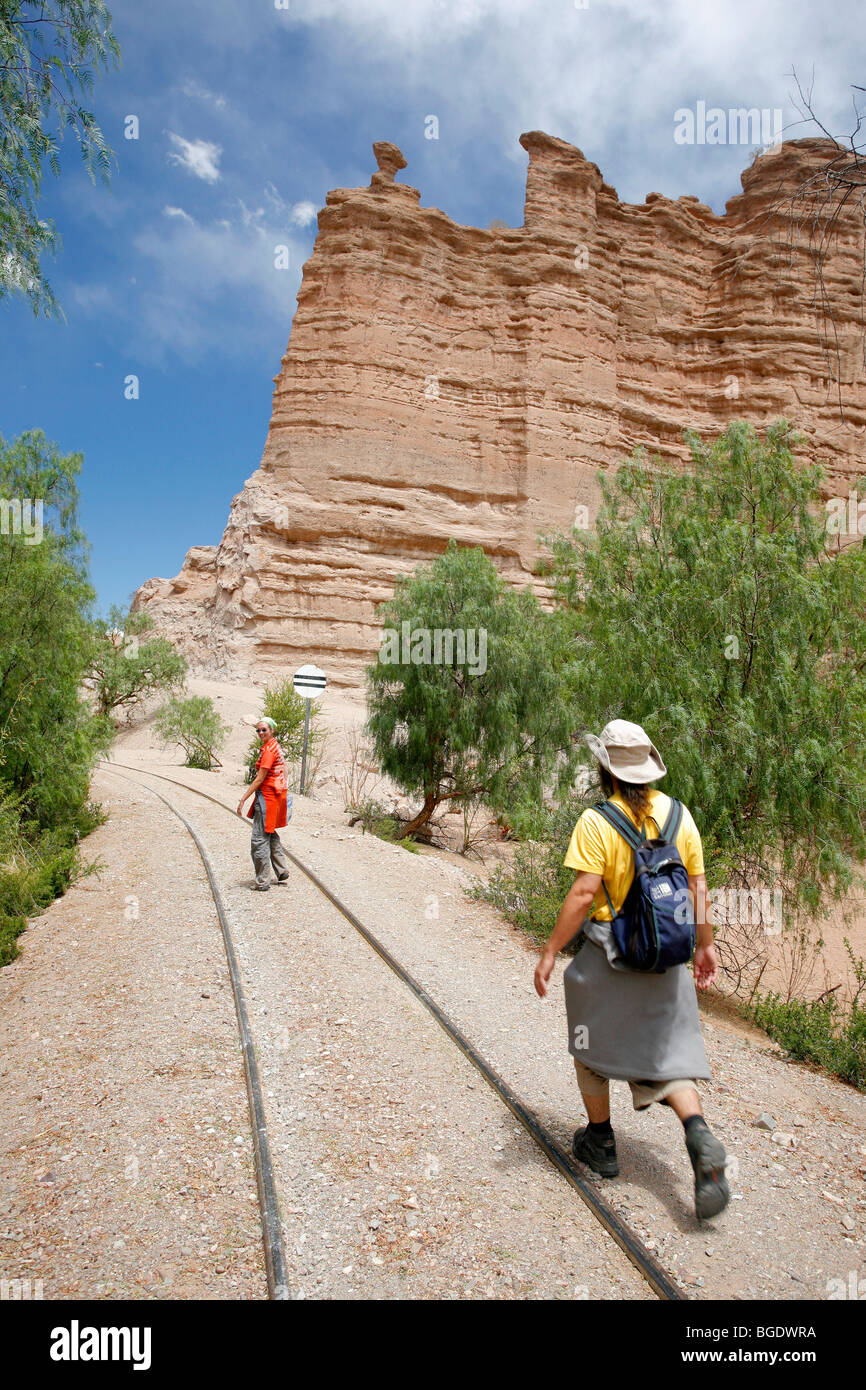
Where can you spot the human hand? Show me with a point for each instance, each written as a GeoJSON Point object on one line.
{"type": "Point", "coordinates": [706, 966]}
{"type": "Point", "coordinates": [543, 972]}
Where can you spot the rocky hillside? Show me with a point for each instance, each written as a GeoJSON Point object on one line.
{"type": "Point", "coordinates": [443, 380]}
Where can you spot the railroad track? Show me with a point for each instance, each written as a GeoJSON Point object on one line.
{"type": "Point", "coordinates": [272, 1233]}
{"type": "Point", "coordinates": [275, 1261]}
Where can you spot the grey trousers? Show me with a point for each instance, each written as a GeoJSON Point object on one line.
{"type": "Point", "coordinates": [266, 849]}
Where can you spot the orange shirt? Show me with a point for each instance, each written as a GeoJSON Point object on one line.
{"type": "Point", "coordinates": [275, 786]}
{"type": "Point", "coordinates": [271, 761]}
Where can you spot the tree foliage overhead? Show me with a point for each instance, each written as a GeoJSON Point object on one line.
{"type": "Point", "coordinates": [452, 731]}
{"type": "Point", "coordinates": [48, 49]}
{"type": "Point", "coordinates": [707, 606]}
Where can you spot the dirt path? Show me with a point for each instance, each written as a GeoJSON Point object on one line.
{"type": "Point", "coordinates": [388, 1151]}
{"type": "Point", "coordinates": [126, 1158]}
{"type": "Point", "coordinates": [401, 1175]}
{"type": "Point", "coordinates": [797, 1218]}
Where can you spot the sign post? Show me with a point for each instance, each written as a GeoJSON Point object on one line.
{"type": "Point", "coordinates": [308, 682]}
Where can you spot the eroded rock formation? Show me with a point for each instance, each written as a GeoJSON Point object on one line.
{"type": "Point", "coordinates": [443, 380]}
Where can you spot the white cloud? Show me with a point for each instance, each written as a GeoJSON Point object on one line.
{"type": "Point", "coordinates": [192, 88]}
{"type": "Point", "coordinates": [525, 64]}
{"type": "Point", "coordinates": [199, 157]}
{"type": "Point", "coordinates": [94, 300]}
{"type": "Point", "coordinates": [302, 214]}
{"type": "Point", "coordinates": [206, 286]}
{"type": "Point", "coordinates": [607, 78]}
{"type": "Point", "coordinates": [416, 24]}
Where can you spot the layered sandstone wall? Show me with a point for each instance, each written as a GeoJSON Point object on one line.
{"type": "Point", "coordinates": [443, 380]}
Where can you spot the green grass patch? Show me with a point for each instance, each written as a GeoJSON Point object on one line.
{"type": "Point", "coordinates": [817, 1031]}
{"type": "Point", "coordinates": [36, 869]}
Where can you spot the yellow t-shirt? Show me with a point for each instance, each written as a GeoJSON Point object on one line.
{"type": "Point", "coordinates": [596, 848]}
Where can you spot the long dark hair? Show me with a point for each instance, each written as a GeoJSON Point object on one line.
{"type": "Point", "coordinates": [634, 794]}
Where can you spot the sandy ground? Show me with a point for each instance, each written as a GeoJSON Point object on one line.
{"type": "Point", "coordinates": [400, 1174]}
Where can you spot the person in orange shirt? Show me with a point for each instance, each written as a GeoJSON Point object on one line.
{"type": "Point", "coordinates": [270, 810]}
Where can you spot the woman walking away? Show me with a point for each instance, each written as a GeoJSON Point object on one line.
{"type": "Point", "coordinates": [271, 808]}
{"type": "Point", "coordinates": [628, 1018]}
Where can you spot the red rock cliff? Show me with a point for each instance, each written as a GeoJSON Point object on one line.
{"type": "Point", "coordinates": [445, 381]}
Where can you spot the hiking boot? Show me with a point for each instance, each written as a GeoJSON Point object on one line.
{"type": "Point", "coordinates": [707, 1154]}
{"type": "Point", "coordinates": [283, 878]}
{"type": "Point", "coordinates": [596, 1152]}
{"type": "Point", "coordinates": [263, 887]}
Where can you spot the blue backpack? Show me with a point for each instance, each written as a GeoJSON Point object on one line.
{"type": "Point", "coordinates": [656, 926]}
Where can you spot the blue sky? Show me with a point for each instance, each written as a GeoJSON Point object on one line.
{"type": "Point", "coordinates": [249, 113]}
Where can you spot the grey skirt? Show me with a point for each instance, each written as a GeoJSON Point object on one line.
{"type": "Point", "coordinates": [633, 1026]}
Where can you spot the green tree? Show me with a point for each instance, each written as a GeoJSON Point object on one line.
{"type": "Point", "coordinates": [195, 725]}
{"type": "Point", "coordinates": [47, 51]}
{"type": "Point", "coordinates": [529, 890]}
{"type": "Point", "coordinates": [708, 606]}
{"type": "Point", "coordinates": [491, 726]}
{"type": "Point", "coordinates": [49, 738]}
{"type": "Point", "coordinates": [127, 662]}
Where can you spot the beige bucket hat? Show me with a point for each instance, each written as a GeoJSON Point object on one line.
{"type": "Point", "coordinates": [627, 751]}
